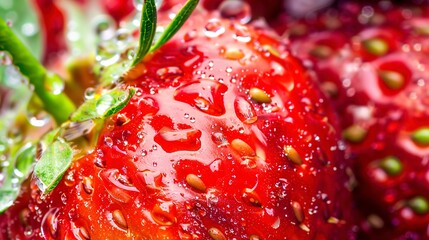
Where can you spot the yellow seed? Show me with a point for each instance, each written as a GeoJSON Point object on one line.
{"type": "Point", "coordinates": [330, 88]}
{"type": "Point", "coordinates": [216, 234]}
{"type": "Point", "coordinates": [272, 50]}
{"type": "Point", "coordinates": [422, 29]}
{"type": "Point", "coordinates": [292, 154]}
{"type": "Point", "coordinates": [321, 51]}
{"type": "Point", "coordinates": [355, 133]}
{"type": "Point", "coordinates": [119, 219]}
{"type": "Point", "coordinates": [234, 54]}
{"type": "Point", "coordinates": [297, 210]}
{"type": "Point", "coordinates": [254, 237]}
{"type": "Point", "coordinates": [195, 182]}
{"type": "Point", "coordinates": [376, 46]}
{"type": "Point", "coordinates": [84, 233]}
{"type": "Point", "coordinates": [393, 80]}
{"type": "Point", "coordinates": [259, 95]}
{"type": "Point", "coordinates": [304, 227]}
{"type": "Point", "coordinates": [333, 220]}
{"type": "Point", "coordinates": [242, 147]}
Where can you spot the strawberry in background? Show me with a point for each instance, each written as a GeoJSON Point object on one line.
{"type": "Point", "coordinates": [372, 61]}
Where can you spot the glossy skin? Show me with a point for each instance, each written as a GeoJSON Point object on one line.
{"type": "Point", "coordinates": [192, 156]}
{"type": "Point", "coordinates": [53, 24]}
{"type": "Point", "coordinates": [378, 120]}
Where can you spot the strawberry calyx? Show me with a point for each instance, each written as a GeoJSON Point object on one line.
{"type": "Point", "coordinates": [148, 28]}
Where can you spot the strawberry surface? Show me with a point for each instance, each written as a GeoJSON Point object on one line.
{"type": "Point", "coordinates": [226, 138]}
{"type": "Point", "coordinates": [372, 62]}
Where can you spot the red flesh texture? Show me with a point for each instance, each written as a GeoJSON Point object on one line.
{"type": "Point", "coordinates": [394, 113]}
{"type": "Point", "coordinates": [147, 184]}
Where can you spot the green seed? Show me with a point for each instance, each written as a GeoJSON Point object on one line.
{"type": "Point", "coordinates": [419, 205]}
{"type": "Point", "coordinates": [321, 51]}
{"type": "Point", "coordinates": [354, 133]}
{"type": "Point", "coordinates": [259, 95]}
{"type": "Point", "coordinates": [421, 136]}
{"type": "Point", "coordinates": [376, 46]}
{"type": "Point", "coordinates": [391, 165]}
{"type": "Point", "coordinates": [392, 79]}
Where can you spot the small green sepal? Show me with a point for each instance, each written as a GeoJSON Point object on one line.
{"type": "Point", "coordinates": [51, 167]}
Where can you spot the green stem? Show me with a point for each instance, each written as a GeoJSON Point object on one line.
{"type": "Point", "coordinates": [58, 105]}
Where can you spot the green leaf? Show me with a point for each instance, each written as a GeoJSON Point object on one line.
{"type": "Point", "coordinates": [176, 24]}
{"type": "Point", "coordinates": [20, 164]}
{"type": "Point", "coordinates": [103, 106]}
{"type": "Point", "coordinates": [7, 197]}
{"type": "Point", "coordinates": [25, 23]}
{"type": "Point", "coordinates": [52, 165]}
{"type": "Point", "coordinates": [147, 30]}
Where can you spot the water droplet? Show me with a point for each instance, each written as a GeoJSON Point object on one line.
{"type": "Point", "coordinates": [104, 27]}
{"type": "Point", "coordinates": [50, 224]}
{"type": "Point", "coordinates": [219, 139]}
{"type": "Point", "coordinates": [108, 141]}
{"type": "Point", "coordinates": [214, 28]}
{"type": "Point", "coordinates": [169, 74]}
{"type": "Point", "coordinates": [5, 58]}
{"type": "Point", "coordinates": [206, 95]}
{"type": "Point", "coordinates": [29, 29]}
{"type": "Point", "coordinates": [228, 70]}
{"type": "Point", "coordinates": [242, 34]}
{"type": "Point", "coordinates": [63, 198]}
{"type": "Point", "coordinates": [191, 35]}
{"type": "Point", "coordinates": [87, 185]}
{"type": "Point", "coordinates": [89, 93]}
{"type": "Point", "coordinates": [179, 140]}
{"type": "Point", "coordinates": [251, 198]}
{"type": "Point", "coordinates": [150, 179]}
{"type": "Point", "coordinates": [116, 185]}
{"type": "Point", "coordinates": [164, 213]}
{"type": "Point", "coordinates": [245, 111]}
{"type": "Point", "coordinates": [236, 9]}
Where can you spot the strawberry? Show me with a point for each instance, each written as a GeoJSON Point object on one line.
{"type": "Point", "coordinates": [216, 134]}
{"type": "Point", "coordinates": [372, 60]}
{"type": "Point", "coordinates": [53, 22]}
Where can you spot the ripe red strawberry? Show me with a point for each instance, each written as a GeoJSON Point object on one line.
{"type": "Point", "coordinates": [52, 19]}
{"type": "Point", "coordinates": [226, 137]}
{"type": "Point", "coordinates": [372, 61]}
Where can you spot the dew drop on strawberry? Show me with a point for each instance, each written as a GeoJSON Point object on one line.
{"type": "Point", "coordinates": [214, 28]}
{"type": "Point", "coordinates": [50, 224]}
{"type": "Point", "coordinates": [237, 10]}
{"type": "Point", "coordinates": [206, 95]}
{"type": "Point", "coordinates": [118, 190]}
{"type": "Point", "coordinates": [179, 140]}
